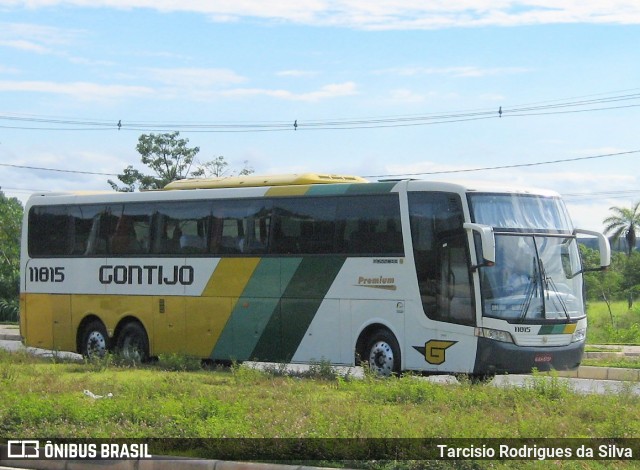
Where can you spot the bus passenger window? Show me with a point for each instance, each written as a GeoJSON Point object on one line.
{"type": "Point", "coordinates": [243, 226]}
{"type": "Point", "coordinates": [441, 257]}
{"type": "Point", "coordinates": [131, 233]}
{"type": "Point", "coordinates": [303, 226]}
{"type": "Point", "coordinates": [124, 239]}
{"type": "Point", "coordinates": [369, 225]}
{"type": "Point", "coordinates": [181, 228]}
{"type": "Point", "coordinates": [49, 227]}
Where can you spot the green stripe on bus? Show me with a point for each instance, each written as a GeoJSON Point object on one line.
{"type": "Point", "coordinates": [371, 188]}
{"type": "Point", "coordinates": [255, 308]}
{"type": "Point", "coordinates": [297, 308]}
{"type": "Point", "coordinates": [329, 189]}
{"type": "Point", "coordinates": [557, 329]}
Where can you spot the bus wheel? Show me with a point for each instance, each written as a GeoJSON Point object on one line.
{"type": "Point", "coordinates": [95, 341]}
{"type": "Point", "coordinates": [133, 343]}
{"type": "Point", "coordinates": [382, 353]}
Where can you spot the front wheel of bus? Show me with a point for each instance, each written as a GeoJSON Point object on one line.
{"type": "Point", "coordinates": [94, 343]}
{"type": "Point", "coordinates": [382, 353]}
{"type": "Point", "coordinates": [133, 343]}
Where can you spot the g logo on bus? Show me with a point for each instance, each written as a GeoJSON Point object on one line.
{"type": "Point", "coordinates": [434, 350]}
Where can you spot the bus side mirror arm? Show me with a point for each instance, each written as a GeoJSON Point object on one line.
{"type": "Point", "coordinates": [603, 247]}
{"type": "Point", "coordinates": [488, 243]}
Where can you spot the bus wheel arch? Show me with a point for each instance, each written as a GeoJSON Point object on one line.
{"type": "Point", "coordinates": [378, 348]}
{"type": "Point", "coordinates": [92, 338]}
{"type": "Point", "coordinates": [131, 340]}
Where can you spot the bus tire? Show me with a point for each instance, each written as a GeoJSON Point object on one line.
{"type": "Point", "coordinates": [382, 353]}
{"type": "Point", "coordinates": [133, 343]}
{"type": "Point", "coordinates": [94, 342]}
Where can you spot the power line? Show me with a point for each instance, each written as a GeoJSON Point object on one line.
{"type": "Point", "coordinates": [29, 167]}
{"type": "Point", "coordinates": [502, 167]}
{"type": "Point", "coordinates": [569, 105]}
{"type": "Point", "coordinates": [441, 172]}
{"type": "Point", "coordinates": [613, 194]}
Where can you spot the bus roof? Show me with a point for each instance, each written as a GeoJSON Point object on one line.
{"type": "Point", "coordinates": [282, 185]}
{"type": "Point", "coordinates": [247, 181]}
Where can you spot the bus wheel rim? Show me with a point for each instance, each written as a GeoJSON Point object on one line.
{"type": "Point", "coordinates": [132, 348]}
{"type": "Point", "coordinates": [96, 344]}
{"type": "Point", "coordinates": [381, 358]}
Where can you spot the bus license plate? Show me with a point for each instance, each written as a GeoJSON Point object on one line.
{"type": "Point", "coordinates": [543, 358]}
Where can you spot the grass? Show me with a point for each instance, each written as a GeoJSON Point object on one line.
{"type": "Point", "coordinates": [622, 326]}
{"type": "Point", "coordinates": [177, 398]}
{"type": "Point", "coordinates": [621, 362]}
{"type": "Point", "coordinates": [45, 398]}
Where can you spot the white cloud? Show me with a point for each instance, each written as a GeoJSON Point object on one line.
{"type": "Point", "coordinates": [296, 73]}
{"type": "Point", "coordinates": [588, 194]}
{"type": "Point", "coordinates": [456, 72]}
{"type": "Point", "coordinates": [402, 95]}
{"type": "Point", "coordinates": [35, 38]}
{"type": "Point", "coordinates": [83, 91]}
{"type": "Point", "coordinates": [8, 70]}
{"type": "Point", "coordinates": [326, 92]}
{"type": "Point", "coordinates": [385, 14]}
{"type": "Point", "coordinates": [194, 77]}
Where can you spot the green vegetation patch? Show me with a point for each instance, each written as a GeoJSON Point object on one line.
{"type": "Point", "coordinates": [41, 398]}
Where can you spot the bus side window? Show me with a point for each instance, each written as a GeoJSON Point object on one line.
{"type": "Point", "coordinates": [369, 225]}
{"type": "Point", "coordinates": [242, 226]}
{"type": "Point", "coordinates": [124, 239]}
{"type": "Point", "coordinates": [49, 227]}
{"type": "Point", "coordinates": [303, 226]}
{"type": "Point", "coordinates": [441, 257]}
{"type": "Point", "coordinates": [100, 234]}
{"type": "Point", "coordinates": [82, 220]}
{"type": "Point", "coordinates": [180, 227]}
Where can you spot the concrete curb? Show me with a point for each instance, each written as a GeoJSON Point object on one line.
{"type": "Point", "coordinates": [602, 373]}
{"type": "Point", "coordinates": [9, 337]}
{"type": "Point", "coordinates": [9, 333]}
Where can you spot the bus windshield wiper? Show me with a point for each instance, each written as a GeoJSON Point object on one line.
{"type": "Point", "coordinates": [550, 285]}
{"type": "Point", "coordinates": [532, 287]}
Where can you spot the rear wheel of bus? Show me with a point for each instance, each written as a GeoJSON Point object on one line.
{"type": "Point", "coordinates": [133, 343]}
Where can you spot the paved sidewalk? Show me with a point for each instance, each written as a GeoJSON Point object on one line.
{"type": "Point", "coordinates": [9, 333]}
{"type": "Point", "coordinates": [12, 333]}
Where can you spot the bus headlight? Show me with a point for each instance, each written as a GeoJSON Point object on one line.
{"type": "Point", "coordinates": [496, 335]}
{"type": "Point", "coordinates": [579, 335]}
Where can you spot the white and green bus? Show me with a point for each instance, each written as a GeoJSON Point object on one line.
{"type": "Point", "coordinates": [401, 275]}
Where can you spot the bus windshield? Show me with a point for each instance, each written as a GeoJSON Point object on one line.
{"type": "Point", "coordinates": [520, 211]}
{"type": "Point", "coordinates": [534, 278]}
{"type": "Point", "coordinates": [537, 271]}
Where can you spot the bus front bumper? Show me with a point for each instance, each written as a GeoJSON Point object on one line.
{"type": "Point", "coordinates": [495, 357]}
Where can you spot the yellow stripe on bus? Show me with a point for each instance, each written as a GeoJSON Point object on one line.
{"type": "Point", "coordinates": [230, 277]}
{"type": "Point", "coordinates": [209, 313]}
{"type": "Point", "coordinates": [288, 190]}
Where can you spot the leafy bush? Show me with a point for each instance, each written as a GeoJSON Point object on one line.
{"type": "Point", "coordinates": [9, 309]}
{"type": "Point", "coordinates": [179, 362]}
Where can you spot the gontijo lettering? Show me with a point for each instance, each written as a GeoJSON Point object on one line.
{"type": "Point", "coordinates": [146, 275]}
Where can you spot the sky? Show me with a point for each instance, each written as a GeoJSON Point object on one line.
{"type": "Point", "coordinates": [541, 93]}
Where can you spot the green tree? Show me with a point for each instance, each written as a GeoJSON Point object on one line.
{"type": "Point", "coordinates": [171, 159]}
{"type": "Point", "coordinates": [167, 155]}
{"type": "Point", "coordinates": [218, 167]}
{"type": "Point", "coordinates": [624, 221]}
{"type": "Point", "coordinates": [10, 225]}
